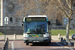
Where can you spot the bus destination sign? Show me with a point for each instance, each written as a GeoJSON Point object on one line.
{"type": "Point", "coordinates": [36, 19]}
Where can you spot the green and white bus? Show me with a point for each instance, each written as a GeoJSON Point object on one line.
{"type": "Point", "coordinates": [36, 29]}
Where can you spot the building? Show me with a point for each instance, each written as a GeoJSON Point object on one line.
{"type": "Point", "coordinates": [0, 12]}
{"type": "Point", "coordinates": [9, 7]}
{"type": "Point", "coordinates": [8, 10]}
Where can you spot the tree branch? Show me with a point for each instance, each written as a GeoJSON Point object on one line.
{"type": "Point", "coordinates": [63, 11]}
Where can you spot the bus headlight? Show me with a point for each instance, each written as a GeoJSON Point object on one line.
{"type": "Point", "coordinates": [25, 35]}
{"type": "Point", "coordinates": [46, 35]}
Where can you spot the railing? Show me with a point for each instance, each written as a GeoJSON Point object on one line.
{"type": "Point", "coordinates": [5, 47]}
{"type": "Point", "coordinates": [11, 27]}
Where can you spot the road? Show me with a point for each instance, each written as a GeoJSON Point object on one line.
{"type": "Point", "coordinates": [19, 45]}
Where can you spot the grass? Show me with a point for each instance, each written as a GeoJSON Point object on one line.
{"type": "Point", "coordinates": [62, 32]}
{"type": "Point", "coordinates": [1, 33]}
{"type": "Point", "coordinates": [56, 32]}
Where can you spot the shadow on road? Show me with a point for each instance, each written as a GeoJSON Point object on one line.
{"type": "Point", "coordinates": [44, 44]}
{"type": "Point", "coordinates": [51, 44]}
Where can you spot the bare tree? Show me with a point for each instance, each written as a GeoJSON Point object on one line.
{"type": "Point", "coordinates": [28, 7]}
{"type": "Point", "coordinates": [50, 9]}
{"type": "Point", "coordinates": [66, 7]}
{"type": "Point", "coordinates": [35, 7]}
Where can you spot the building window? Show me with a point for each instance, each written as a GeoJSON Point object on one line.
{"type": "Point", "coordinates": [59, 19]}
{"type": "Point", "coordinates": [58, 23]}
{"type": "Point", "coordinates": [74, 4]}
{"type": "Point", "coordinates": [10, 7]}
{"type": "Point", "coordinates": [11, 19]}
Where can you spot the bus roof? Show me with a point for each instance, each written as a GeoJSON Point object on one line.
{"type": "Point", "coordinates": [37, 16]}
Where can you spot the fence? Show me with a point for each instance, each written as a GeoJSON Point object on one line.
{"type": "Point", "coordinates": [10, 30]}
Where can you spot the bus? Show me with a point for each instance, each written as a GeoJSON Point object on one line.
{"type": "Point", "coordinates": [36, 29]}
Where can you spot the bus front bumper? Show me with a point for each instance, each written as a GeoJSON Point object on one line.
{"type": "Point", "coordinates": [36, 39]}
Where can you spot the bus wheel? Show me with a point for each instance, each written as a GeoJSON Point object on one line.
{"type": "Point", "coordinates": [27, 43]}
{"type": "Point", "coordinates": [49, 41]}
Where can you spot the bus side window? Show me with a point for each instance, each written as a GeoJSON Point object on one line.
{"type": "Point", "coordinates": [49, 22]}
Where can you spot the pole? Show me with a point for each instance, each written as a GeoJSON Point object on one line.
{"type": "Point", "coordinates": [5, 33]}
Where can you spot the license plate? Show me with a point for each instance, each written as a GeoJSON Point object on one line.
{"type": "Point", "coordinates": [35, 41]}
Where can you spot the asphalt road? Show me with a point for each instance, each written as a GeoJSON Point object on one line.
{"type": "Point", "coordinates": [19, 45]}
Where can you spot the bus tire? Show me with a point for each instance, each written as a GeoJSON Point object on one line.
{"type": "Point", "coordinates": [27, 43]}
{"type": "Point", "coordinates": [49, 41]}
{"type": "Point", "coordinates": [24, 41]}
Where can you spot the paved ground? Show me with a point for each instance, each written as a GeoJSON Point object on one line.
{"type": "Point", "coordinates": [19, 45]}
{"type": "Point", "coordinates": [1, 45]}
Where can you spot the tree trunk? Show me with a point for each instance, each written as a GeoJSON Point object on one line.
{"type": "Point", "coordinates": [67, 33]}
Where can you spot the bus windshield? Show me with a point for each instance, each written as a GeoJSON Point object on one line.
{"type": "Point", "coordinates": [35, 27]}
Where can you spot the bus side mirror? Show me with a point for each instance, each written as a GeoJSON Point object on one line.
{"type": "Point", "coordinates": [22, 23]}
{"type": "Point", "coordinates": [49, 22]}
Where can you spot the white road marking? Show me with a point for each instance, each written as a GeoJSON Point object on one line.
{"type": "Point", "coordinates": [71, 48]}
{"type": "Point", "coordinates": [62, 47]}
{"type": "Point", "coordinates": [59, 44]}
{"type": "Point", "coordinates": [12, 45]}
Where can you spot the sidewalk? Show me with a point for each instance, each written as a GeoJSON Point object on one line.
{"type": "Point", "coordinates": [20, 37]}
{"type": "Point", "coordinates": [56, 37]}
{"type": "Point", "coordinates": [12, 37]}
